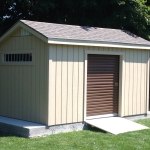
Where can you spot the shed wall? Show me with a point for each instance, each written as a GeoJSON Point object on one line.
{"type": "Point", "coordinates": [66, 82]}
{"type": "Point", "coordinates": [24, 88]}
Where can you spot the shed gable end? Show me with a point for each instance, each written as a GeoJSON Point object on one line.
{"type": "Point", "coordinates": [23, 88]}
{"type": "Point", "coordinates": [18, 41]}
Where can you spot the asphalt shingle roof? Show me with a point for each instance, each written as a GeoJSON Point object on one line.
{"type": "Point", "coordinates": [62, 31]}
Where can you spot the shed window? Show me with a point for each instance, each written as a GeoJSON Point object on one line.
{"type": "Point", "coordinates": [24, 32]}
{"type": "Point", "coordinates": [18, 57]}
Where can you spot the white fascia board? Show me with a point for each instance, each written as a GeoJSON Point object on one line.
{"type": "Point", "coordinates": [96, 43]}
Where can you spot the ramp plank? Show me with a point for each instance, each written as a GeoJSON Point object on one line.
{"type": "Point", "coordinates": [115, 125]}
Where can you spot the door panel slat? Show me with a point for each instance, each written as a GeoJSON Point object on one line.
{"type": "Point", "coordinates": [102, 84]}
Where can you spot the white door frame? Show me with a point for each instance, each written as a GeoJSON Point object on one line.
{"type": "Point", "coordinates": [121, 78]}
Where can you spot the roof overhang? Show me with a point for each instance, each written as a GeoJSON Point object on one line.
{"type": "Point", "coordinates": [20, 25]}
{"type": "Point", "coordinates": [97, 43]}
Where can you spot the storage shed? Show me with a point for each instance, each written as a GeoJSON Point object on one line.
{"type": "Point", "coordinates": [57, 74]}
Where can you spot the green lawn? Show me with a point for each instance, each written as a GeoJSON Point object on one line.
{"type": "Point", "coordinates": [93, 139]}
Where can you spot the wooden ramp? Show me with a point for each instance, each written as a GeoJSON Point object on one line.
{"type": "Point", "coordinates": [115, 125]}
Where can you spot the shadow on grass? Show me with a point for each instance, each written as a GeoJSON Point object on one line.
{"type": "Point", "coordinates": [94, 129]}
{"type": "Point", "coordinates": [4, 134]}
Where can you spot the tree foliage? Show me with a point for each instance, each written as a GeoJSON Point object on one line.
{"type": "Point", "coordinates": [132, 15]}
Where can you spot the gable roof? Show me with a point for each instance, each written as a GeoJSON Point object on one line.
{"type": "Point", "coordinates": [72, 32]}
{"type": "Point", "coordinates": [79, 35]}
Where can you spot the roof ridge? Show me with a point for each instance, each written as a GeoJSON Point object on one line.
{"type": "Point", "coordinates": [72, 25]}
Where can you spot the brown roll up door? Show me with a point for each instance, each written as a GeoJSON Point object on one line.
{"type": "Point", "coordinates": [102, 84]}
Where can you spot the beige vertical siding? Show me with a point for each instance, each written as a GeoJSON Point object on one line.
{"type": "Point", "coordinates": [24, 88]}
{"type": "Point", "coordinates": [135, 82]}
{"type": "Point", "coordinates": [66, 65]}
{"type": "Point", "coordinates": [28, 94]}
{"type": "Point", "coordinates": [66, 84]}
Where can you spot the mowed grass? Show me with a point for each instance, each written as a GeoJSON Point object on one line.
{"type": "Point", "coordinates": [93, 139]}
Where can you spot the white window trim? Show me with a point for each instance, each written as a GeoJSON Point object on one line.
{"type": "Point", "coordinates": [2, 62]}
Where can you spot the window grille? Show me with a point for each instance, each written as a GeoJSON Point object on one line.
{"type": "Point", "coordinates": [24, 32]}
{"type": "Point", "coordinates": [18, 57]}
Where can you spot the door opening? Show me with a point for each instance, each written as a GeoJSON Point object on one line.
{"type": "Point", "coordinates": [102, 85]}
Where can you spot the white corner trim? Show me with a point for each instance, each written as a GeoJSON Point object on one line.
{"type": "Point", "coordinates": [96, 43]}
{"type": "Point", "coordinates": [147, 92]}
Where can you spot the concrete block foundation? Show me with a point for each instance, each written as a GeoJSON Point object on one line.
{"type": "Point", "coordinates": [137, 117]}
{"type": "Point", "coordinates": [30, 129]}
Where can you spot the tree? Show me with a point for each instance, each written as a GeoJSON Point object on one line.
{"type": "Point", "coordinates": [130, 15]}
